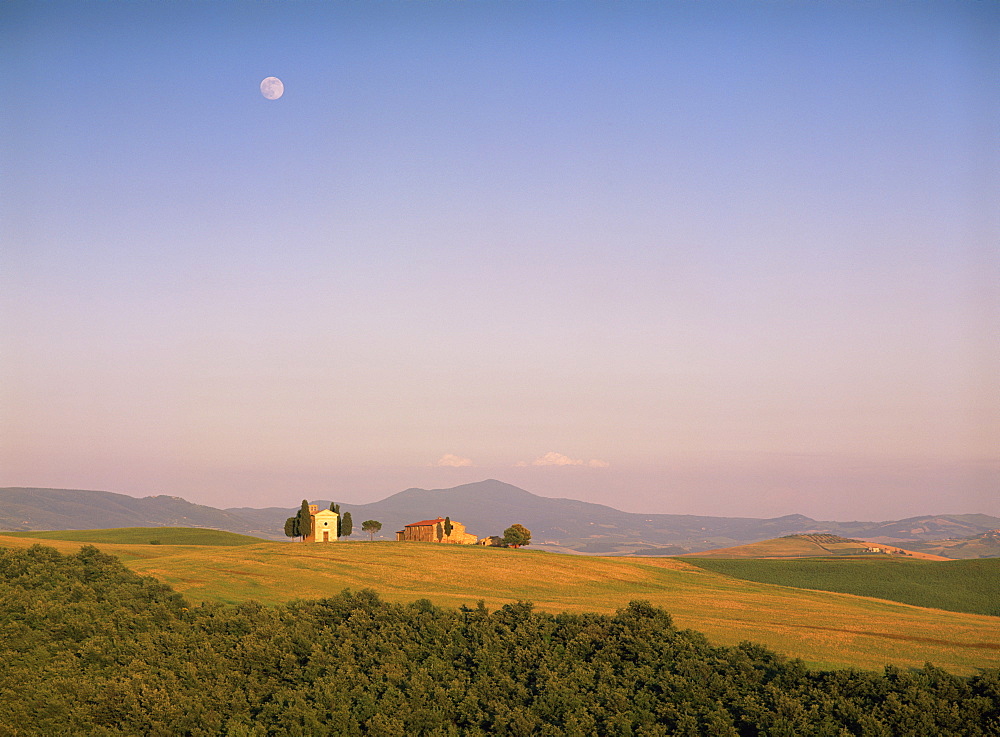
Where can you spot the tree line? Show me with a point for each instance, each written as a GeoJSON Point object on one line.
{"type": "Point", "coordinates": [89, 647]}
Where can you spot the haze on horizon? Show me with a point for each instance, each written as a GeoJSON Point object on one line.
{"type": "Point", "coordinates": [709, 258]}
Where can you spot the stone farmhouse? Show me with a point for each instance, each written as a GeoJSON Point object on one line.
{"type": "Point", "coordinates": [324, 525]}
{"type": "Point", "coordinates": [426, 531]}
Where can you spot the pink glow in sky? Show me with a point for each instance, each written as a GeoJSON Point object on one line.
{"type": "Point", "coordinates": [713, 258]}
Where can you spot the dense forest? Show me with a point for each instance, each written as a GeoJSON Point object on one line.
{"type": "Point", "coordinates": [88, 647]}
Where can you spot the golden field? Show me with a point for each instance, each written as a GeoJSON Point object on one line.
{"type": "Point", "coordinates": [826, 630]}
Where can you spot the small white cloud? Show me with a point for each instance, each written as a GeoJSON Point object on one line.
{"type": "Point", "coordinates": [453, 461]}
{"type": "Point", "coordinates": [558, 459]}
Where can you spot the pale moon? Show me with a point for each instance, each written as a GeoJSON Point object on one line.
{"type": "Point", "coordinates": [272, 88]}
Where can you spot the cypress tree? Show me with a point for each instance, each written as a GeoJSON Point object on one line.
{"type": "Point", "coordinates": [440, 531]}
{"type": "Point", "coordinates": [334, 507]}
{"type": "Point", "coordinates": [291, 526]}
{"type": "Point", "coordinates": [448, 527]}
{"type": "Point", "coordinates": [348, 526]}
{"type": "Point", "coordinates": [305, 520]}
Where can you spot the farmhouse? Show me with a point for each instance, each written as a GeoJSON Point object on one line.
{"type": "Point", "coordinates": [324, 525]}
{"type": "Point", "coordinates": [426, 531]}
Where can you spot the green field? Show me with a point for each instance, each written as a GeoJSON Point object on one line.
{"type": "Point", "coordinates": [956, 585]}
{"type": "Point", "coordinates": [799, 546]}
{"type": "Point", "coordinates": [825, 629]}
{"type": "Point", "coordinates": [144, 536]}
{"type": "Point", "coordinates": [986, 545]}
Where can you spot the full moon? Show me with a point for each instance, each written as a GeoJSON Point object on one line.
{"type": "Point", "coordinates": [272, 88]}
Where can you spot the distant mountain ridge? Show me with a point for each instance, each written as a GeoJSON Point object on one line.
{"type": "Point", "coordinates": [26, 508]}
{"type": "Point", "coordinates": [485, 508]}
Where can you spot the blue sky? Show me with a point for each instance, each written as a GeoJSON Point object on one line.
{"type": "Point", "coordinates": [712, 258]}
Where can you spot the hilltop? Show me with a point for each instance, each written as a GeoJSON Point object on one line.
{"type": "Point", "coordinates": [485, 508]}
{"type": "Point", "coordinates": [812, 546]}
{"type": "Point", "coordinates": [143, 536]}
{"type": "Point", "coordinates": [568, 525]}
{"type": "Point", "coordinates": [986, 545]}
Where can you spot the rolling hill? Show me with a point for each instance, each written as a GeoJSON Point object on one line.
{"type": "Point", "coordinates": [567, 525]}
{"type": "Point", "coordinates": [485, 507]}
{"type": "Point", "coordinates": [955, 585]}
{"type": "Point", "coordinates": [986, 545]}
{"type": "Point", "coordinates": [825, 629]}
{"type": "Point", "coordinates": [812, 546]}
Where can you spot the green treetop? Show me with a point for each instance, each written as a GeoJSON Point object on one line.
{"type": "Point", "coordinates": [371, 526]}
{"type": "Point", "coordinates": [334, 507]}
{"type": "Point", "coordinates": [516, 535]}
{"type": "Point", "coordinates": [305, 520]}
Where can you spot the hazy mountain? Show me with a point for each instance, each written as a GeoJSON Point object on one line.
{"type": "Point", "coordinates": [485, 508]}
{"type": "Point", "coordinates": [488, 507]}
{"type": "Point", "coordinates": [77, 509]}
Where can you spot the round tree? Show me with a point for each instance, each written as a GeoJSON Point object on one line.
{"type": "Point", "coordinates": [371, 526]}
{"type": "Point", "coordinates": [516, 535]}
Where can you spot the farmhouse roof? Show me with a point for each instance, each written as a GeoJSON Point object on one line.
{"type": "Point", "coordinates": [426, 522]}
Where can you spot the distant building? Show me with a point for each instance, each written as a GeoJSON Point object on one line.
{"type": "Point", "coordinates": [426, 531]}
{"type": "Point", "coordinates": [324, 526]}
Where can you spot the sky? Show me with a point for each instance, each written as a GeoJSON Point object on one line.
{"type": "Point", "coordinates": [736, 259]}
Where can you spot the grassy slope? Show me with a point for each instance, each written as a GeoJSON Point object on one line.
{"type": "Point", "coordinates": [799, 547]}
{"type": "Point", "coordinates": [779, 547]}
{"type": "Point", "coordinates": [144, 536]}
{"type": "Point", "coordinates": [824, 629]}
{"type": "Point", "coordinates": [955, 585]}
{"type": "Point", "coordinates": [981, 546]}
